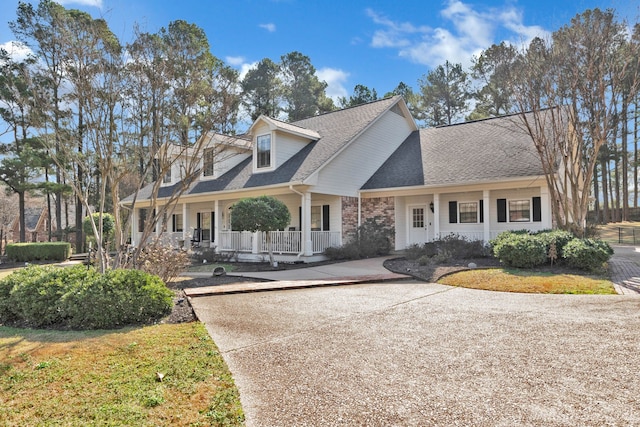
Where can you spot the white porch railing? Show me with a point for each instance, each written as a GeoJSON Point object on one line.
{"type": "Point", "coordinates": [240, 241]}
{"type": "Point", "coordinates": [282, 242]}
{"type": "Point", "coordinates": [321, 240]}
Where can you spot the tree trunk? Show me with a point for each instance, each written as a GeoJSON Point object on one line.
{"type": "Point", "coordinates": [21, 217]}
{"type": "Point", "coordinates": [625, 162]}
{"type": "Point", "coordinates": [605, 185]}
{"type": "Point", "coordinates": [78, 216]}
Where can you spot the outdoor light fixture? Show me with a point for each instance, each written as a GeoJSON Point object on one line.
{"type": "Point", "coordinates": [431, 206]}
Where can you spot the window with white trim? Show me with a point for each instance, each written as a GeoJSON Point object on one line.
{"type": "Point", "coordinates": [468, 212]}
{"type": "Point", "coordinates": [178, 223]}
{"type": "Point", "coordinates": [207, 165]}
{"type": "Point", "coordinates": [520, 210]}
{"type": "Point", "coordinates": [166, 179]}
{"type": "Point", "coordinates": [263, 151]}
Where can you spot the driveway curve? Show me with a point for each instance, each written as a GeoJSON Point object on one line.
{"type": "Point", "coordinates": [416, 354]}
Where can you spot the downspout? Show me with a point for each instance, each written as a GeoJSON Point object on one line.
{"type": "Point", "coordinates": [301, 204]}
{"type": "Point", "coordinates": [359, 209]}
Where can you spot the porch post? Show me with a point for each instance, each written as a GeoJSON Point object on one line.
{"type": "Point", "coordinates": [134, 225]}
{"type": "Point", "coordinates": [255, 247]}
{"type": "Point", "coordinates": [545, 208]}
{"type": "Point", "coordinates": [486, 200]}
{"type": "Point", "coordinates": [436, 216]}
{"type": "Point", "coordinates": [307, 244]}
{"type": "Point", "coordinates": [185, 226]}
{"type": "Point", "coordinates": [216, 225]}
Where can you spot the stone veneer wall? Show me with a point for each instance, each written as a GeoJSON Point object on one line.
{"type": "Point", "coordinates": [381, 207]}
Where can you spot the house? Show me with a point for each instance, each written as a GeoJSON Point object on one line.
{"type": "Point", "coordinates": [36, 225]}
{"type": "Point", "coordinates": [333, 171]}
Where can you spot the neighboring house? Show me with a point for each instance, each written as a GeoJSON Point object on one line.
{"type": "Point", "coordinates": [335, 170]}
{"type": "Point", "coordinates": [36, 225]}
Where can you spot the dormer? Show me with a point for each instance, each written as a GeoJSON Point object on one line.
{"type": "Point", "coordinates": [223, 152]}
{"type": "Point", "coordinates": [275, 142]}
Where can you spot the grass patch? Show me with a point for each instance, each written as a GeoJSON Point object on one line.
{"type": "Point", "coordinates": [110, 378]}
{"type": "Point", "coordinates": [208, 268]}
{"type": "Point", "coordinates": [514, 280]}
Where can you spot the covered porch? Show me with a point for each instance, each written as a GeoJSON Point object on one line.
{"type": "Point", "coordinates": [198, 224]}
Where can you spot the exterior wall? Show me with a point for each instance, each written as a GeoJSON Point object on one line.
{"type": "Point", "coordinates": [285, 146]}
{"type": "Point", "coordinates": [226, 160]}
{"type": "Point", "coordinates": [458, 228]}
{"type": "Point", "coordinates": [346, 174]}
{"type": "Point", "coordinates": [383, 208]}
{"type": "Point", "coordinates": [517, 194]}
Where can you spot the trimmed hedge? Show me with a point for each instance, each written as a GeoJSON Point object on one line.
{"type": "Point", "coordinates": [523, 250]}
{"type": "Point", "coordinates": [47, 251]}
{"type": "Point", "coordinates": [80, 298]}
{"type": "Point", "coordinates": [587, 254]}
{"type": "Point", "coordinates": [520, 250]}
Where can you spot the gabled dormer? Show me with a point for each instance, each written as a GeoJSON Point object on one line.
{"type": "Point", "coordinates": [274, 142]}
{"type": "Point", "coordinates": [223, 152]}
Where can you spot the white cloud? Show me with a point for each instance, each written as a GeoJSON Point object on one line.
{"type": "Point", "coordinates": [94, 3]}
{"type": "Point", "coordinates": [335, 79]}
{"type": "Point", "coordinates": [16, 50]}
{"type": "Point", "coordinates": [235, 60]}
{"type": "Point", "coordinates": [271, 27]}
{"type": "Point", "coordinates": [245, 67]}
{"type": "Point", "coordinates": [467, 30]}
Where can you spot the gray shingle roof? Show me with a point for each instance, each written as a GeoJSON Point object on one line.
{"type": "Point", "coordinates": [465, 153]}
{"type": "Point", "coordinates": [336, 130]}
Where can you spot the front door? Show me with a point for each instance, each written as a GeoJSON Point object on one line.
{"type": "Point", "coordinates": [417, 221]}
{"type": "Point", "coordinates": [205, 224]}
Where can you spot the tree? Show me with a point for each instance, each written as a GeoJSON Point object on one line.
{"type": "Point", "coordinates": [493, 68]}
{"type": "Point", "coordinates": [303, 93]}
{"type": "Point", "coordinates": [21, 161]}
{"type": "Point", "coordinates": [262, 90]}
{"type": "Point", "coordinates": [572, 88]}
{"type": "Point", "coordinates": [41, 30]}
{"type": "Point", "coordinates": [444, 94]}
{"type": "Point", "coordinates": [361, 95]}
{"type": "Point", "coordinates": [263, 213]}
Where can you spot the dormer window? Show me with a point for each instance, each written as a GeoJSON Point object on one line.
{"type": "Point", "coordinates": [207, 167]}
{"type": "Point", "coordinates": [166, 179]}
{"type": "Point", "coordinates": [263, 151]}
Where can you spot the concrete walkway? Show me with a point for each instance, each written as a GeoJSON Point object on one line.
{"type": "Point", "coordinates": [349, 272]}
{"type": "Point", "coordinates": [625, 269]}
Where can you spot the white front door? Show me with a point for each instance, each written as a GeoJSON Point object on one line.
{"type": "Point", "coordinates": [418, 224]}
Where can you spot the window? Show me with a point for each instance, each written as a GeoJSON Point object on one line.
{"type": "Point", "coordinates": [177, 223]}
{"type": "Point", "coordinates": [417, 217]}
{"type": "Point", "coordinates": [523, 210]}
{"type": "Point", "coordinates": [468, 212]}
{"type": "Point", "coordinates": [142, 218]}
{"type": "Point", "coordinates": [207, 166]}
{"type": "Point", "coordinates": [263, 151]}
{"type": "Point", "coordinates": [166, 179]}
{"type": "Point", "coordinates": [319, 218]}
{"type": "Point", "coordinates": [519, 210]}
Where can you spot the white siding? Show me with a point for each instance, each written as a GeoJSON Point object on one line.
{"type": "Point", "coordinates": [458, 228]}
{"type": "Point", "coordinates": [515, 194]}
{"type": "Point", "coordinates": [286, 146]}
{"type": "Point", "coordinates": [356, 164]}
{"type": "Point", "coordinates": [227, 159]}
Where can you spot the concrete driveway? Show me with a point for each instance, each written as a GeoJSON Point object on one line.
{"type": "Point", "coordinates": [416, 354]}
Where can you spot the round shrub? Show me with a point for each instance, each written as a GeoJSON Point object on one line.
{"type": "Point", "coordinates": [118, 298]}
{"type": "Point", "coordinates": [587, 254]}
{"type": "Point", "coordinates": [560, 237]}
{"type": "Point", "coordinates": [519, 250]}
{"type": "Point", "coordinates": [81, 298]}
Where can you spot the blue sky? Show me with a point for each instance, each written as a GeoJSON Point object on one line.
{"type": "Point", "coordinates": [377, 43]}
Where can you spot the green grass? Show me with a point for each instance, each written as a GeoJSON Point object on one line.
{"type": "Point", "coordinates": [513, 280]}
{"type": "Point", "coordinates": [110, 378]}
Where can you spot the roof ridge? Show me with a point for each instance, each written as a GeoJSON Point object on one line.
{"type": "Point", "coordinates": [484, 119]}
{"type": "Point", "coordinates": [345, 109]}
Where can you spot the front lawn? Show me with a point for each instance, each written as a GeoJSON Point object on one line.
{"type": "Point", "coordinates": [113, 378]}
{"type": "Point", "coordinates": [514, 280]}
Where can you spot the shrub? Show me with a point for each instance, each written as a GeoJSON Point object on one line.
{"type": "Point", "coordinates": [117, 298]}
{"type": "Point", "coordinates": [447, 248]}
{"type": "Point", "coordinates": [81, 298]}
{"type": "Point", "coordinates": [163, 261]}
{"type": "Point", "coordinates": [520, 250]}
{"type": "Point", "coordinates": [371, 239]}
{"type": "Point", "coordinates": [560, 237]}
{"type": "Point", "coordinates": [587, 254]}
{"type": "Point", "coordinates": [48, 251]}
